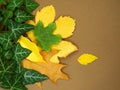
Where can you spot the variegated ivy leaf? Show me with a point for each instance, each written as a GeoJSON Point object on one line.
{"type": "Point", "coordinates": [31, 5]}
{"type": "Point", "coordinates": [22, 16]}
{"type": "Point", "coordinates": [6, 15]}
{"type": "Point", "coordinates": [14, 3]}
{"type": "Point", "coordinates": [13, 82]}
{"type": "Point", "coordinates": [17, 29]}
{"type": "Point", "coordinates": [6, 67]}
{"type": "Point", "coordinates": [5, 41]}
{"type": "Point", "coordinates": [31, 77]}
{"type": "Point", "coordinates": [20, 53]}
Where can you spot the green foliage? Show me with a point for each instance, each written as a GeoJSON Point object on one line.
{"type": "Point", "coordinates": [17, 10]}
{"type": "Point", "coordinates": [13, 83]}
{"type": "Point", "coordinates": [47, 38]}
{"type": "Point", "coordinates": [31, 77]}
{"type": "Point", "coordinates": [13, 15]}
{"type": "Point", "coordinates": [13, 4]}
{"type": "Point", "coordinates": [6, 68]}
{"type": "Point", "coordinates": [20, 53]}
{"type": "Point", "coordinates": [0, 49]}
{"type": "Point", "coordinates": [8, 54]}
{"type": "Point", "coordinates": [5, 41]}
{"type": "Point", "coordinates": [3, 2]}
{"type": "Point", "coordinates": [30, 5]}
{"type": "Point", "coordinates": [22, 16]}
{"type": "Point", "coordinates": [6, 15]}
{"type": "Point", "coordinates": [17, 29]}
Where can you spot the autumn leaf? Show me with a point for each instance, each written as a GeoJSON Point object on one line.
{"type": "Point", "coordinates": [48, 55]}
{"type": "Point", "coordinates": [39, 85]}
{"type": "Point", "coordinates": [65, 26]}
{"type": "Point", "coordinates": [45, 36]}
{"type": "Point", "coordinates": [85, 59]}
{"type": "Point", "coordinates": [65, 48]}
{"type": "Point", "coordinates": [46, 15]}
{"type": "Point", "coordinates": [35, 55]}
{"type": "Point", "coordinates": [52, 70]}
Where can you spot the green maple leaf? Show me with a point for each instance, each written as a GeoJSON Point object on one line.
{"type": "Point", "coordinates": [45, 36]}
{"type": "Point", "coordinates": [17, 29]}
{"type": "Point", "coordinates": [22, 16]}
{"type": "Point", "coordinates": [31, 77]}
{"type": "Point", "coordinates": [31, 5]}
{"type": "Point", "coordinates": [20, 53]}
{"type": "Point", "coordinates": [14, 4]}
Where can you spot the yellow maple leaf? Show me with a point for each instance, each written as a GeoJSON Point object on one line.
{"type": "Point", "coordinates": [46, 15]}
{"type": "Point", "coordinates": [85, 59]}
{"type": "Point", "coordinates": [52, 70]}
{"type": "Point", "coordinates": [64, 25]}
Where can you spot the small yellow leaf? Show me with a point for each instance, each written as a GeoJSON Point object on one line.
{"type": "Point", "coordinates": [65, 26]}
{"type": "Point", "coordinates": [65, 48]}
{"type": "Point", "coordinates": [45, 15]}
{"type": "Point", "coordinates": [35, 55]}
{"type": "Point", "coordinates": [85, 59]}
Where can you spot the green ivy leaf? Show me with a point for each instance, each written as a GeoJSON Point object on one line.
{"type": "Point", "coordinates": [17, 29]}
{"type": "Point", "coordinates": [6, 15]}
{"type": "Point", "coordinates": [22, 16]}
{"type": "Point", "coordinates": [8, 54]}
{"type": "Point", "coordinates": [13, 82]}
{"type": "Point", "coordinates": [31, 77]}
{"type": "Point", "coordinates": [20, 53]}
{"type": "Point", "coordinates": [6, 67]}
{"type": "Point", "coordinates": [45, 36]}
{"type": "Point", "coordinates": [5, 41]}
{"type": "Point", "coordinates": [3, 2]}
{"type": "Point", "coordinates": [19, 68]}
{"type": "Point", "coordinates": [31, 5]}
{"type": "Point", "coordinates": [14, 4]}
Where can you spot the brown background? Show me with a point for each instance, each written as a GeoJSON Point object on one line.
{"type": "Point", "coordinates": [97, 32]}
